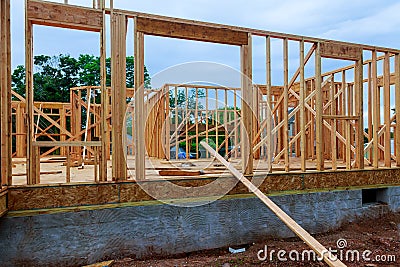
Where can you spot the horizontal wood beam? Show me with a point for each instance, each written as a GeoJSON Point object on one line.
{"type": "Point", "coordinates": [340, 117]}
{"type": "Point", "coordinates": [43, 105]}
{"type": "Point", "coordinates": [64, 16]}
{"type": "Point", "coordinates": [159, 27]}
{"type": "Point", "coordinates": [65, 144]}
{"type": "Point", "coordinates": [340, 51]}
{"type": "Point", "coordinates": [279, 35]}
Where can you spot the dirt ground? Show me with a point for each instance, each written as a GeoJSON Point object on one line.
{"type": "Point", "coordinates": [380, 236]}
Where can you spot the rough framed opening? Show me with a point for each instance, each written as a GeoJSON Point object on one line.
{"type": "Point", "coordinates": [374, 196]}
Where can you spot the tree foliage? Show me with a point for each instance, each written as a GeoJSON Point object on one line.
{"type": "Point", "coordinates": [54, 76]}
{"type": "Point", "coordinates": [182, 101]}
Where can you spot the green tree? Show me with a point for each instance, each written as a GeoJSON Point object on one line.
{"type": "Point", "coordinates": [230, 114]}
{"type": "Point", "coordinates": [54, 76]}
{"type": "Point", "coordinates": [18, 80]}
{"type": "Point", "coordinates": [89, 73]}
{"type": "Point", "coordinates": [130, 71]}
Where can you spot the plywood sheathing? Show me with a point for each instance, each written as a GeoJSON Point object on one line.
{"type": "Point", "coordinates": [63, 195]}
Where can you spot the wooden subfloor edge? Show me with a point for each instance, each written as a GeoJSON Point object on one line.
{"type": "Point", "coordinates": [3, 203]}
{"type": "Point", "coordinates": [210, 178]}
{"type": "Point", "coordinates": [36, 212]}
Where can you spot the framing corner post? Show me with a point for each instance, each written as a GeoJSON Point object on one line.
{"type": "Point", "coordinates": [139, 116]}
{"type": "Point", "coordinates": [359, 95]}
{"type": "Point", "coordinates": [375, 111]}
{"type": "Point", "coordinates": [118, 94]}
{"type": "Point", "coordinates": [386, 109]}
{"type": "Point", "coordinates": [286, 103]}
{"type": "Point", "coordinates": [104, 100]}
{"type": "Point", "coordinates": [247, 104]}
{"type": "Point", "coordinates": [302, 109]}
{"type": "Point", "coordinates": [269, 107]}
{"type": "Point", "coordinates": [397, 107]}
{"type": "Point", "coordinates": [318, 117]}
{"type": "Point", "coordinates": [5, 88]}
{"type": "Point", "coordinates": [167, 131]}
{"type": "Point", "coordinates": [29, 94]}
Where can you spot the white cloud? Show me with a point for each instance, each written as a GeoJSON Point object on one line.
{"type": "Point", "coordinates": [380, 28]}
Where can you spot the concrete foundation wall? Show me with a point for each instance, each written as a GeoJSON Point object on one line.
{"type": "Point", "coordinates": [85, 237]}
{"type": "Point", "coordinates": [393, 198]}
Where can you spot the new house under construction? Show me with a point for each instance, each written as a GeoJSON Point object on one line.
{"type": "Point", "coordinates": [120, 171]}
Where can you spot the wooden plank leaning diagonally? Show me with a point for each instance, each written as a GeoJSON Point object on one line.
{"type": "Point", "coordinates": [295, 227]}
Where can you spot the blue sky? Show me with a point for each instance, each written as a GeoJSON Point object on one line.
{"type": "Point", "coordinates": [367, 21]}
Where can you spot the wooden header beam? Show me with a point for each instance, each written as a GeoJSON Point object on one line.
{"type": "Point", "coordinates": [173, 29]}
{"type": "Point", "coordinates": [66, 144]}
{"type": "Point", "coordinates": [254, 32]}
{"type": "Point", "coordinates": [340, 51]}
{"type": "Point", "coordinates": [83, 18]}
{"type": "Point", "coordinates": [64, 16]}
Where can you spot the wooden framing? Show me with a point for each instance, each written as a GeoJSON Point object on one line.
{"type": "Point", "coordinates": [64, 16]}
{"type": "Point", "coordinates": [174, 29]}
{"type": "Point", "coordinates": [375, 112]}
{"type": "Point", "coordinates": [306, 111]}
{"type": "Point", "coordinates": [302, 110]}
{"type": "Point", "coordinates": [156, 108]}
{"type": "Point", "coordinates": [333, 124]}
{"type": "Point", "coordinates": [318, 117]}
{"type": "Point", "coordinates": [104, 131]}
{"type": "Point", "coordinates": [311, 108]}
{"type": "Point", "coordinates": [187, 116]}
{"type": "Point", "coordinates": [254, 32]}
{"type": "Point", "coordinates": [340, 51]}
{"type": "Point", "coordinates": [118, 95]}
{"type": "Point", "coordinates": [3, 202]}
{"type": "Point", "coordinates": [31, 165]}
{"type": "Point", "coordinates": [139, 104]}
{"type": "Point", "coordinates": [153, 143]}
{"type": "Point", "coordinates": [370, 108]}
{"type": "Point", "coordinates": [268, 95]}
{"type": "Point", "coordinates": [397, 106]}
{"type": "Point", "coordinates": [386, 105]}
{"type": "Point", "coordinates": [20, 132]}
{"type": "Point", "coordinates": [247, 112]}
{"type": "Point", "coordinates": [57, 112]}
{"type": "Point", "coordinates": [359, 95]}
{"type": "Point", "coordinates": [286, 103]}
{"type": "Point", "coordinates": [5, 94]}
{"type": "Point", "coordinates": [76, 195]}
